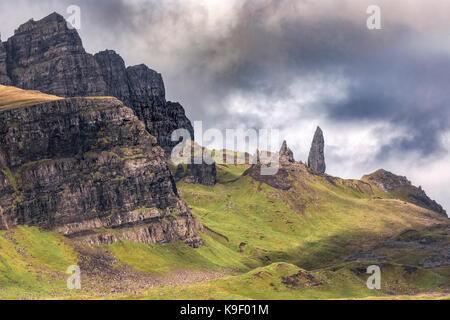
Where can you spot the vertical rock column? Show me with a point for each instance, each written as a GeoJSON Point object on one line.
{"type": "Point", "coordinates": [316, 159]}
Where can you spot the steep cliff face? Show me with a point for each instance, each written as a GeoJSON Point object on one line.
{"type": "Point", "coordinates": [4, 78]}
{"type": "Point", "coordinates": [46, 55]}
{"type": "Point", "coordinates": [114, 73]}
{"type": "Point", "coordinates": [87, 168]}
{"type": "Point", "coordinates": [143, 90]}
{"type": "Point", "coordinates": [196, 173]}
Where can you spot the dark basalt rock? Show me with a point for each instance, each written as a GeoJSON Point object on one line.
{"type": "Point", "coordinates": [4, 78]}
{"type": "Point", "coordinates": [403, 188]}
{"type": "Point", "coordinates": [143, 90]}
{"type": "Point", "coordinates": [46, 55]}
{"type": "Point", "coordinates": [316, 159]}
{"type": "Point", "coordinates": [286, 154]}
{"type": "Point", "coordinates": [82, 164]}
{"type": "Point", "coordinates": [114, 73]}
{"type": "Point", "coordinates": [179, 173]}
{"type": "Point", "coordinates": [387, 181]}
{"type": "Point", "coordinates": [365, 256]}
{"type": "Point", "coordinates": [202, 173]}
{"type": "Point", "coordinates": [197, 173]}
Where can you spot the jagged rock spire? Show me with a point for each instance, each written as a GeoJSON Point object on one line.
{"type": "Point", "coordinates": [316, 159]}
{"type": "Point", "coordinates": [286, 154]}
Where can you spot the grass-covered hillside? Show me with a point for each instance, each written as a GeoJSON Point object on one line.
{"type": "Point", "coordinates": [295, 235]}
{"type": "Point", "coordinates": [12, 97]}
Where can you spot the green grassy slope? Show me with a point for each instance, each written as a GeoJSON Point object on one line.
{"type": "Point", "coordinates": [33, 263]}
{"type": "Point", "coordinates": [287, 281]}
{"type": "Point", "coordinates": [271, 242]}
{"type": "Point", "coordinates": [313, 225]}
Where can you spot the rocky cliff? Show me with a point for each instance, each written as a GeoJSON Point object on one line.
{"type": "Point", "coordinates": [46, 55]}
{"type": "Point", "coordinates": [3, 71]}
{"type": "Point", "coordinates": [194, 173]}
{"type": "Point", "coordinates": [402, 188]}
{"type": "Point", "coordinates": [286, 154]}
{"type": "Point", "coordinates": [88, 168]}
{"type": "Point", "coordinates": [143, 89]}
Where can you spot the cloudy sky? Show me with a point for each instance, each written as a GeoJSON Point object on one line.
{"type": "Point", "coordinates": [382, 97]}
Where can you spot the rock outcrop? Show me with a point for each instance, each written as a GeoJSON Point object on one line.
{"type": "Point", "coordinates": [286, 154]}
{"type": "Point", "coordinates": [4, 78]}
{"type": "Point", "coordinates": [402, 188]}
{"type": "Point", "coordinates": [143, 90]}
{"type": "Point", "coordinates": [196, 173]}
{"type": "Point", "coordinates": [46, 55]}
{"type": "Point", "coordinates": [88, 168]}
{"type": "Point", "coordinates": [316, 159]}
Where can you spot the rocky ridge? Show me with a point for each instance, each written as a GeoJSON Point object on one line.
{"type": "Point", "coordinates": [402, 187]}
{"type": "Point", "coordinates": [48, 56]}
{"type": "Point", "coordinates": [399, 186]}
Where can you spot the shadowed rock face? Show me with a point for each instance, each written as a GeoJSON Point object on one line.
{"type": "Point", "coordinates": [3, 71]}
{"type": "Point", "coordinates": [197, 173]}
{"type": "Point", "coordinates": [316, 159]}
{"type": "Point", "coordinates": [78, 165]}
{"type": "Point", "coordinates": [46, 55]}
{"type": "Point", "coordinates": [286, 154]}
{"type": "Point", "coordinates": [402, 187]}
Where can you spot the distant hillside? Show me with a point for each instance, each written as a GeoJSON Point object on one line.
{"type": "Point", "coordinates": [403, 189]}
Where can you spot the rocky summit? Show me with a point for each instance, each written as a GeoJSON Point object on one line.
{"type": "Point", "coordinates": [402, 188]}
{"type": "Point", "coordinates": [87, 168]}
{"type": "Point", "coordinates": [316, 159]}
{"type": "Point", "coordinates": [286, 154]}
{"type": "Point", "coordinates": [46, 55]}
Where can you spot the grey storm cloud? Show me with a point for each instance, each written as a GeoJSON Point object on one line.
{"type": "Point", "coordinates": [267, 45]}
{"type": "Point", "coordinates": [209, 52]}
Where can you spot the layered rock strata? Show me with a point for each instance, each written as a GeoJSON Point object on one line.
{"type": "Point", "coordinates": [48, 56]}
{"type": "Point", "coordinates": [88, 168]}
